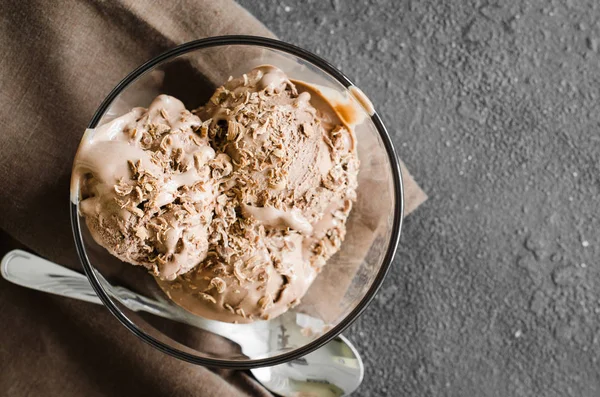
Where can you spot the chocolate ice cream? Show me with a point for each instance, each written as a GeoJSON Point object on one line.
{"type": "Point", "coordinates": [235, 208]}
{"type": "Point", "coordinates": [146, 187]}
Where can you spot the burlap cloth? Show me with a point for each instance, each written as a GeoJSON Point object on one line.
{"type": "Point", "coordinates": [60, 59]}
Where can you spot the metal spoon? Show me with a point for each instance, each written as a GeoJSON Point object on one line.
{"type": "Point", "coordinates": [334, 370]}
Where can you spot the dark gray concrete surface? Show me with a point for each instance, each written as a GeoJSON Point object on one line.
{"type": "Point", "coordinates": [494, 106]}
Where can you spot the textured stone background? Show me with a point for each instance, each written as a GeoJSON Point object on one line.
{"type": "Point", "coordinates": [493, 105]}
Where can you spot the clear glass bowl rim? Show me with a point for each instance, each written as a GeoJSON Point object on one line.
{"type": "Point", "coordinates": [390, 252]}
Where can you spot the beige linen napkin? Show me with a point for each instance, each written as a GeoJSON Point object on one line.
{"type": "Point", "coordinates": [60, 59]}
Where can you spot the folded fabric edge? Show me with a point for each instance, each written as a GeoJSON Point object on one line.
{"type": "Point", "coordinates": [414, 196]}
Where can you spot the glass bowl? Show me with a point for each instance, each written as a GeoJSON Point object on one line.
{"type": "Point", "coordinates": [341, 291]}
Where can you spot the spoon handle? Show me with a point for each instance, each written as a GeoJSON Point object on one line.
{"type": "Point", "coordinates": [31, 271]}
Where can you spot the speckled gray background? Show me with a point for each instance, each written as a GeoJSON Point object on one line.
{"type": "Point", "coordinates": [495, 290]}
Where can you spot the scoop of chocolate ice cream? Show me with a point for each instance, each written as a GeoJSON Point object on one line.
{"type": "Point", "coordinates": [146, 187]}
{"type": "Point", "coordinates": [282, 209]}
